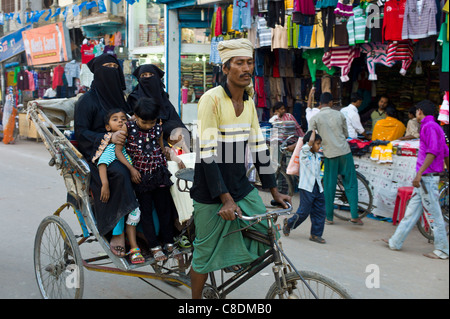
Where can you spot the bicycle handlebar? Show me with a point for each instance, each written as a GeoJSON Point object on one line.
{"type": "Point", "coordinates": [268, 215]}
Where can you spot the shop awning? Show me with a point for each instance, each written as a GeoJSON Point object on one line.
{"type": "Point", "coordinates": [175, 4]}
{"type": "Point", "coordinates": [12, 44]}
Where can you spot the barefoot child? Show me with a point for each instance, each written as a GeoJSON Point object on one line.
{"type": "Point", "coordinates": [312, 200]}
{"type": "Point", "coordinates": [115, 121]}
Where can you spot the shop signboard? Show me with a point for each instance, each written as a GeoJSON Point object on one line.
{"type": "Point", "coordinates": [12, 44]}
{"type": "Point", "coordinates": [47, 44]}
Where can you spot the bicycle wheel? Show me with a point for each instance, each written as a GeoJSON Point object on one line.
{"type": "Point", "coordinates": [57, 260]}
{"type": "Point", "coordinates": [323, 287]}
{"type": "Point", "coordinates": [423, 225]}
{"type": "Point", "coordinates": [365, 199]}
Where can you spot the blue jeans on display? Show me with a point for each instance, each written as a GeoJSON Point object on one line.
{"type": "Point", "coordinates": [242, 16]}
{"type": "Point", "coordinates": [311, 204]}
{"type": "Point", "coordinates": [420, 201]}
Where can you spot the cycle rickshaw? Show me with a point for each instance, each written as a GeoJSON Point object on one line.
{"type": "Point", "coordinates": [59, 265]}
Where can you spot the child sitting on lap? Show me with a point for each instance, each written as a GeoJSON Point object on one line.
{"type": "Point", "coordinates": [150, 176]}
{"type": "Point", "coordinates": [115, 121]}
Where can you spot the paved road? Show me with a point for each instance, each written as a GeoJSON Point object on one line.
{"type": "Point", "coordinates": [31, 190]}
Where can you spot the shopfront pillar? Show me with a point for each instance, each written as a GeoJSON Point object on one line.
{"type": "Point", "coordinates": [172, 56]}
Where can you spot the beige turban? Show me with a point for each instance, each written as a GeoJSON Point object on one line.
{"type": "Point", "coordinates": [236, 47]}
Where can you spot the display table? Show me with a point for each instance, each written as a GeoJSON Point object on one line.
{"type": "Point", "coordinates": [386, 178]}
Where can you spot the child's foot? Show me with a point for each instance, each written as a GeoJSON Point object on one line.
{"type": "Point", "coordinates": [117, 245]}
{"type": "Point", "coordinates": [317, 239]}
{"type": "Point", "coordinates": [136, 256]}
{"type": "Point", "coordinates": [158, 253]}
{"type": "Point", "coordinates": [286, 229]}
{"type": "Point", "coordinates": [173, 251]}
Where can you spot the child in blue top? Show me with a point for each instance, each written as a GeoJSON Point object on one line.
{"type": "Point", "coordinates": [115, 120]}
{"type": "Point", "coordinates": [312, 199]}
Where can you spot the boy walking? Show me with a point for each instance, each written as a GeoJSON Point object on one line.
{"type": "Point", "coordinates": [312, 200]}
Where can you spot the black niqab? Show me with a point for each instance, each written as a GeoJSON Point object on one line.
{"type": "Point", "coordinates": [152, 87]}
{"type": "Point", "coordinates": [108, 83]}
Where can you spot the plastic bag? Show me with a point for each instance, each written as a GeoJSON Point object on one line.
{"type": "Point", "coordinates": [294, 163]}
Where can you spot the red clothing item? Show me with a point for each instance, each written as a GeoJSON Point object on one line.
{"type": "Point", "coordinates": [87, 53]}
{"type": "Point", "coordinates": [57, 77]}
{"type": "Point", "coordinates": [394, 11]}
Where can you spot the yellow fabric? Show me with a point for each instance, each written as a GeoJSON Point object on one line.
{"type": "Point", "coordinates": [318, 38]}
{"type": "Point", "coordinates": [445, 8]}
{"type": "Point", "coordinates": [229, 18]}
{"type": "Point", "coordinates": [382, 153]}
{"type": "Point", "coordinates": [388, 129]}
{"type": "Point", "coordinates": [289, 4]}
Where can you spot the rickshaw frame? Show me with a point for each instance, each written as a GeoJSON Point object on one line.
{"type": "Point", "coordinates": [76, 174]}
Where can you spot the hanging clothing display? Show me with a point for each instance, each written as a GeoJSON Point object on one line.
{"type": "Point", "coordinates": [394, 11]}
{"type": "Point", "coordinates": [400, 51]}
{"type": "Point", "coordinates": [419, 19]}
{"type": "Point", "coordinates": [341, 57]}
{"type": "Point", "coordinates": [376, 54]}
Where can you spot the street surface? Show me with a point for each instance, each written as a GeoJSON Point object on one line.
{"type": "Point", "coordinates": [353, 256]}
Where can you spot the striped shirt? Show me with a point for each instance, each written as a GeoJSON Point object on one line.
{"type": "Point", "coordinates": [109, 155]}
{"type": "Point", "coordinates": [400, 51]}
{"type": "Point", "coordinates": [341, 57]}
{"type": "Point", "coordinates": [419, 21]}
{"type": "Point", "coordinates": [221, 151]}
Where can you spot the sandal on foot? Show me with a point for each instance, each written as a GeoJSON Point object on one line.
{"type": "Point", "coordinates": [234, 268]}
{"type": "Point", "coordinates": [357, 222]}
{"type": "Point", "coordinates": [184, 242]}
{"type": "Point", "coordinates": [136, 256]}
{"type": "Point", "coordinates": [317, 239]}
{"type": "Point", "coordinates": [158, 253]}
{"type": "Point", "coordinates": [329, 222]}
{"type": "Point", "coordinates": [173, 251]}
{"type": "Point", "coordinates": [286, 229]}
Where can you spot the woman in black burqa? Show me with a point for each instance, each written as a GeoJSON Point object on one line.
{"type": "Point", "coordinates": [106, 93]}
{"type": "Point", "coordinates": [150, 85]}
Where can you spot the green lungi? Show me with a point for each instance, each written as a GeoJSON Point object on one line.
{"type": "Point", "coordinates": [212, 251]}
{"type": "Point", "coordinates": [344, 166]}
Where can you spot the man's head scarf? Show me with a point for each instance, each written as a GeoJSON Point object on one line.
{"type": "Point", "coordinates": [236, 47]}
{"type": "Point", "coordinates": [108, 83]}
{"type": "Point", "coordinates": [233, 48]}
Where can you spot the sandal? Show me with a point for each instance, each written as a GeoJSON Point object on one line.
{"type": "Point", "coordinates": [234, 268]}
{"type": "Point", "coordinates": [286, 229]}
{"type": "Point", "coordinates": [158, 253]}
{"type": "Point", "coordinates": [317, 239]}
{"type": "Point", "coordinates": [357, 222]}
{"type": "Point", "coordinates": [184, 242]}
{"type": "Point", "coordinates": [173, 251]}
{"type": "Point", "coordinates": [136, 256]}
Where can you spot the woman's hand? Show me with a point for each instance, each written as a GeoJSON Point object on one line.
{"type": "Point", "coordinates": [119, 138]}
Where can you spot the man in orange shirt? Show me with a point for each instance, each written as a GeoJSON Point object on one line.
{"type": "Point", "coordinates": [388, 129]}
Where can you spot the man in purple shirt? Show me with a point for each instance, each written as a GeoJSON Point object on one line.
{"type": "Point", "coordinates": [433, 152]}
